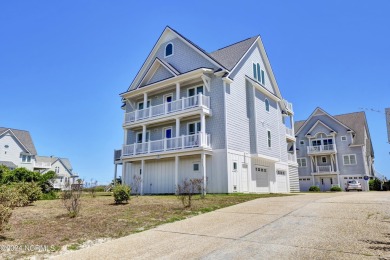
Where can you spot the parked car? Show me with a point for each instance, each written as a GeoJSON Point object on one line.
{"type": "Point", "coordinates": [353, 185]}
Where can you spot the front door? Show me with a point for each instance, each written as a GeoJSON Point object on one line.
{"type": "Point", "coordinates": [326, 183]}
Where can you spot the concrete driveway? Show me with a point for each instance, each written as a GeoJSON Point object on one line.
{"type": "Point", "coordinates": [354, 225]}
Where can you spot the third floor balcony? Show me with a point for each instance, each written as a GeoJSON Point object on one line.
{"type": "Point", "coordinates": [169, 109]}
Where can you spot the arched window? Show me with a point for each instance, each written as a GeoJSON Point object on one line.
{"type": "Point", "coordinates": [266, 105]}
{"type": "Point", "coordinates": [169, 50]}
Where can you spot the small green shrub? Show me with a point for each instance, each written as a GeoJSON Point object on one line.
{"type": "Point", "coordinates": [51, 195]}
{"type": "Point", "coordinates": [375, 184]}
{"type": "Point", "coordinates": [28, 192]}
{"type": "Point", "coordinates": [121, 193]}
{"type": "Point", "coordinates": [335, 188]}
{"type": "Point", "coordinates": [314, 188]}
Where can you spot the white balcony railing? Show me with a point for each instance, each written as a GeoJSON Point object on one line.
{"type": "Point", "coordinates": [166, 108]}
{"type": "Point", "coordinates": [288, 105]}
{"type": "Point", "coordinates": [291, 157]}
{"type": "Point", "coordinates": [42, 165]}
{"type": "Point", "coordinates": [321, 149]}
{"type": "Point", "coordinates": [326, 168]}
{"type": "Point", "coordinates": [168, 144]}
{"type": "Point", "coordinates": [289, 131]}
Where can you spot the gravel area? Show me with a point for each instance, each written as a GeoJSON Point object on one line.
{"type": "Point", "coordinates": [354, 225]}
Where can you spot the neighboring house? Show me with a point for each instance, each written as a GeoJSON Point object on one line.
{"type": "Point", "coordinates": [16, 149]}
{"type": "Point", "coordinates": [332, 150]}
{"type": "Point", "coordinates": [65, 176]}
{"type": "Point", "coordinates": [217, 116]}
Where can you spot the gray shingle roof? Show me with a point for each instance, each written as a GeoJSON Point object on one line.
{"type": "Point", "coordinates": [357, 122]}
{"type": "Point", "coordinates": [8, 164]}
{"type": "Point", "coordinates": [24, 137]}
{"type": "Point", "coordinates": [230, 55]}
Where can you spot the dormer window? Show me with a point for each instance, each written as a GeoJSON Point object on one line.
{"type": "Point", "coordinates": [168, 50]}
{"type": "Point", "coordinates": [26, 158]}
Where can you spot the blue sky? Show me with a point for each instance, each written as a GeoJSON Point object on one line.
{"type": "Point", "coordinates": [64, 63]}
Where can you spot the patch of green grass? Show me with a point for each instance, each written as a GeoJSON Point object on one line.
{"type": "Point", "coordinates": [73, 247]}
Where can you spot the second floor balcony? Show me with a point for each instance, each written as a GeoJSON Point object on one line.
{"type": "Point", "coordinates": [184, 142]}
{"type": "Point", "coordinates": [42, 165]}
{"type": "Point", "coordinates": [168, 108]}
{"type": "Point", "coordinates": [321, 149]}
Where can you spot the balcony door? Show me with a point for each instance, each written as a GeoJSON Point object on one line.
{"type": "Point", "coordinates": [192, 138]}
{"type": "Point", "coordinates": [139, 137]}
{"type": "Point", "coordinates": [167, 102]}
{"type": "Point", "coordinates": [193, 95]}
{"type": "Point", "coordinates": [169, 142]}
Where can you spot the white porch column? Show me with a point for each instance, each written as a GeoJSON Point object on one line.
{"type": "Point", "coordinates": [337, 162]}
{"type": "Point", "coordinates": [292, 124]}
{"type": "Point", "coordinates": [177, 91]}
{"type": "Point", "coordinates": [142, 177]}
{"type": "Point", "coordinates": [203, 165]}
{"type": "Point", "coordinates": [176, 173]}
{"type": "Point", "coordinates": [124, 168]}
{"type": "Point", "coordinates": [145, 100]}
{"type": "Point", "coordinates": [202, 129]}
{"type": "Point", "coordinates": [295, 150]}
{"type": "Point", "coordinates": [143, 134]}
{"type": "Point", "coordinates": [177, 127]}
{"type": "Point", "coordinates": [115, 173]}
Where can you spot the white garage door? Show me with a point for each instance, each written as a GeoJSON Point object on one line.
{"type": "Point", "coordinates": [262, 182]}
{"type": "Point", "coordinates": [305, 183]}
{"type": "Point", "coordinates": [281, 180]}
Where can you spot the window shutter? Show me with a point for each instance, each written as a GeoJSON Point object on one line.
{"type": "Point", "coordinates": [254, 71]}
{"type": "Point", "coordinates": [258, 72]}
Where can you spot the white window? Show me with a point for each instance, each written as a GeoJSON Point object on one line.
{"type": "Point", "coordinates": [343, 138]}
{"type": "Point", "coordinates": [193, 128]}
{"type": "Point", "coordinates": [57, 169]}
{"type": "Point", "coordinates": [302, 162]}
{"type": "Point", "coordinates": [258, 73]}
{"type": "Point", "coordinates": [168, 50]}
{"type": "Point", "coordinates": [269, 138]}
{"type": "Point", "coordinates": [266, 105]}
{"type": "Point", "coordinates": [302, 142]}
{"type": "Point", "coordinates": [349, 159]}
{"type": "Point", "coordinates": [141, 106]}
{"type": "Point", "coordinates": [194, 91]}
{"type": "Point", "coordinates": [323, 159]}
{"type": "Point", "coordinates": [26, 158]}
{"type": "Point", "coordinates": [234, 166]}
{"type": "Point", "coordinates": [195, 167]}
{"type": "Point", "coordinates": [260, 169]}
{"type": "Point", "coordinates": [139, 137]}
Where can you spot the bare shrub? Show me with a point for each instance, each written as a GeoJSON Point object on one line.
{"type": "Point", "coordinates": [188, 188]}
{"type": "Point", "coordinates": [71, 199]}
